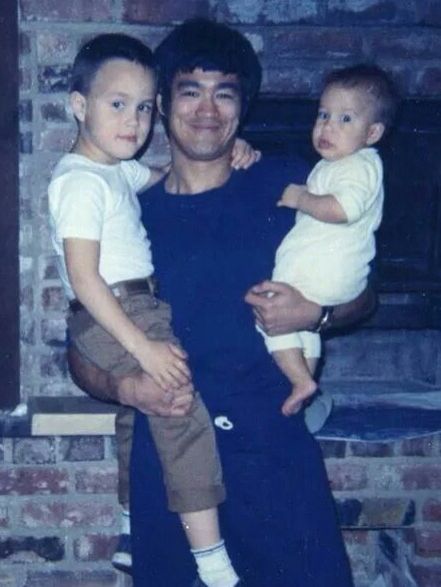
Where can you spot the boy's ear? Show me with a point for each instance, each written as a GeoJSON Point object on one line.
{"type": "Point", "coordinates": [78, 103]}
{"type": "Point", "coordinates": [159, 105]}
{"type": "Point", "coordinates": [376, 131]}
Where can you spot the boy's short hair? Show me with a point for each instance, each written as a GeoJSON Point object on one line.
{"type": "Point", "coordinates": [374, 82]}
{"type": "Point", "coordinates": [211, 46]}
{"type": "Point", "coordinates": [102, 48]}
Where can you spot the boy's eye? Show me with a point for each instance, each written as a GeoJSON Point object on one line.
{"type": "Point", "coordinates": [346, 118]}
{"type": "Point", "coordinates": [145, 108]}
{"type": "Point", "coordinates": [118, 104]}
{"type": "Point", "coordinates": [322, 115]}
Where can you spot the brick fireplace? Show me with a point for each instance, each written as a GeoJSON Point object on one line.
{"type": "Point", "coordinates": [58, 511]}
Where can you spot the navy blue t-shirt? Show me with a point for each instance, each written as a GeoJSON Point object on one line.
{"type": "Point", "coordinates": [278, 520]}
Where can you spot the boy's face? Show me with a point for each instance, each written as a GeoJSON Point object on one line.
{"type": "Point", "coordinates": [345, 123]}
{"type": "Point", "coordinates": [116, 115]}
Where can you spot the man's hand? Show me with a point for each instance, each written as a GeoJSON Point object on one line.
{"type": "Point", "coordinates": [281, 309]}
{"type": "Point", "coordinates": [138, 390]}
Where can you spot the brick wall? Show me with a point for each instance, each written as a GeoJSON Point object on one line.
{"type": "Point", "coordinates": [57, 495]}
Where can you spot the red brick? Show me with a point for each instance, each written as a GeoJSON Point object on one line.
{"type": "Point", "coordinates": [422, 477]}
{"type": "Point", "coordinates": [31, 481]}
{"type": "Point", "coordinates": [412, 44]}
{"type": "Point", "coordinates": [54, 10]}
{"type": "Point", "coordinates": [428, 542]}
{"type": "Point", "coordinates": [419, 447]}
{"type": "Point", "coordinates": [96, 480]}
{"type": "Point", "coordinates": [57, 140]}
{"type": "Point", "coordinates": [427, 575]}
{"type": "Point", "coordinates": [282, 44]}
{"type": "Point", "coordinates": [56, 578]}
{"type": "Point", "coordinates": [387, 512]}
{"type": "Point", "coordinates": [431, 510]}
{"type": "Point", "coordinates": [53, 298]}
{"type": "Point", "coordinates": [66, 515]}
{"type": "Point", "coordinates": [94, 547]}
{"type": "Point", "coordinates": [4, 517]}
{"type": "Point", "coordinates": [164, 11]}
{"type": "Point", "coordinates": [82, 448]}
{"type": "Point", "coordinates": [55, 47]}
{"type": "Point", "coordinates": [34, 451]}
{"type": "Point", "coordinates": [371, 449]}
{"type": "Point", "coordinates": [346, 476]}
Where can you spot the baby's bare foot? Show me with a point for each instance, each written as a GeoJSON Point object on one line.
{"type": "Point", "coordinates": [300, 392]}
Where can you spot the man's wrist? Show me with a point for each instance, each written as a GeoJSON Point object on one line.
{"type": "Point", "coordinates": [325, 320]}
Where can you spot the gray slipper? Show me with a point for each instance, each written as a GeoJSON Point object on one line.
{"type": "Point", "coordinates": [318, 411]}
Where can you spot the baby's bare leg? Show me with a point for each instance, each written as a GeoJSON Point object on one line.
{"type": "Point", "coordinates": [298, 370]}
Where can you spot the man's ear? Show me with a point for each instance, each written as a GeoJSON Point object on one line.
{"type": "Point", "coordinates": [376, 131]}
{"type": "Point", "coordinates": [78, 103]}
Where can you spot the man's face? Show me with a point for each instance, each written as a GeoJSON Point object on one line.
{"type": "Point", "coordinates": [204, 114]}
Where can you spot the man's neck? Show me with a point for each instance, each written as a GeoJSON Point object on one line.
{"type": "Point", "coordinates": [189, 177]}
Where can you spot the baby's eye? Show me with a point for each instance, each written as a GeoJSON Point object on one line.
{"type": "Point", "coordinates": [322, 115]}
{"type": "Point", "coordinates": [346, 118]}
{"type": "Point", "coordinates": [118, 104]}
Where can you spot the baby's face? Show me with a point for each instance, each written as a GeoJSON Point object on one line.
{"type": "Point", "coordinates": [344, 123]}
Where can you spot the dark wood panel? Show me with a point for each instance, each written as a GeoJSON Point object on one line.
{"type": "Point", "coordinates": [9, 273]}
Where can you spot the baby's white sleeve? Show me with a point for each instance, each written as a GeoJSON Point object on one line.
{"type": "Point", "coordinates": [77, 203]}
{"type": "Point", "coordinates": [355, 187]}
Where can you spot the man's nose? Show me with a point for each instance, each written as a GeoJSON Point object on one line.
{"type": "Point", "coordinates": [207, 106]}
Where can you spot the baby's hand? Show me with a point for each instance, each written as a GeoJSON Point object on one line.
{"type": "Point", "coordinates": [165, 362]}
{"type": "Point", "coordinates": [243, 155]}
{"type": "Point", "coordinates": [291, 196]}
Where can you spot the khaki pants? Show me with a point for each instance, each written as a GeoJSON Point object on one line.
{"type": "Point", "coordinates": [186, 445]}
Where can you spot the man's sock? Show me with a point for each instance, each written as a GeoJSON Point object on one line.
{"type": "Point", "coordinates": [214, 566]}
{"type": "Point", "coordinates": [125, 522]}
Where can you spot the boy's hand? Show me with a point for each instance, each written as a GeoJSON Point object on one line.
{"type": "Point", "coordinates": [243, 155]}
{"type": "Point", "coordinates": [291, 195]}
{"type": "Point", "coordinates": [165, 362]}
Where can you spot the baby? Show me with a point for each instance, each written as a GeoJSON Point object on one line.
{"type": "Point", "coordinates": [326, 254]}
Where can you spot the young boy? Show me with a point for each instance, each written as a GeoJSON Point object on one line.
{"type": "Point", "coordinates": [326, 255]}
{"type": "Point", "coordinates": [105, 265]}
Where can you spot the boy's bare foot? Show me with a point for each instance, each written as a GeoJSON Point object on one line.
{"type": "Point", "coordinates": [300, 392]}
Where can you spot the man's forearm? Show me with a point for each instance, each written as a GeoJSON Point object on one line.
{"type": "Point", "coordinates": [354, 311]}
{"type": "Point", "coordinates": [94, 381]}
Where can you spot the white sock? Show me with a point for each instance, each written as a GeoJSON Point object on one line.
{"type": "Point", "coordinates": [214, 566]}
{"type": "Point", "coordinates": [125, 522]}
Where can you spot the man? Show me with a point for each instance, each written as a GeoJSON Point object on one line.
{"type": "Point", "coordinates": [214, 233]}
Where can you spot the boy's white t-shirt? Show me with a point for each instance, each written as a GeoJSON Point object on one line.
{"type": "Point", "coordinates": [99, 202]}
{"type": "Point", "coordinates": [329, 263]}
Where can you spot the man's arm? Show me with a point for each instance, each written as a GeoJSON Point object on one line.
{"type": "Point", "coordinates": [281, 309]}
{"type": "Point", "coordinates": [137, 390]}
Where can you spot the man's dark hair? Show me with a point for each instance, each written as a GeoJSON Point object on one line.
{"type": "Point", "coordinates": [374, 82]}
{"type": "Point", "coordinates": [210, 46]}
{"type": "Point", "coordinates": [102, 48]}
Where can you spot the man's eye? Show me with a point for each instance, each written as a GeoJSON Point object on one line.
{"type": "Point", "coordinates": [117, 104]}
{"type": "Point", "coordinates": [322, 115]}
{"type": "Point", "coordinates": [225, 96]}
{"type": "Point", "coordinates": [346, 118]}
{"type": "Point", "coordinates": [189, 93]}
